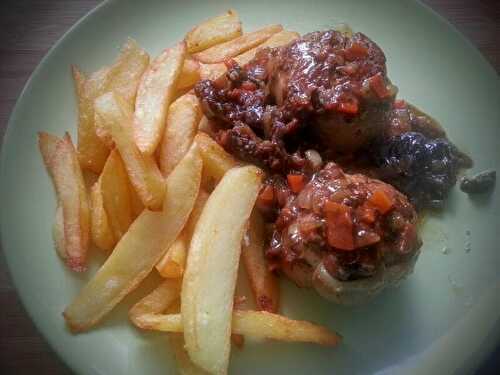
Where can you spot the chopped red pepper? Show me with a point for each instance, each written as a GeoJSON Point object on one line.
{"type": "Point", "coordinates": [348, 107]}
{"type": "Point", "coordinates": [339, 226]}
{"type": "Point", "coordinates": [355, 51]}
{"type": "Point", "coordinates": [381, 201]}
{"type": "Point", "coordinates": [367, 215]}
{"type": "Point", "coordinates": [296, 182]}
{"type": "Point", "coordinates": [378, 85]}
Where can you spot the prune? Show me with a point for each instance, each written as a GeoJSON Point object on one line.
{"type": "Point", "coordinates": [422, 168]}
{"type": "Point", "coordinates": [479, 183]}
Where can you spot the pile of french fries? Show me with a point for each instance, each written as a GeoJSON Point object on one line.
{"type": "Point", "coordinates": [165, 196]}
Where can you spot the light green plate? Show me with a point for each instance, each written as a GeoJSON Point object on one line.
{"type": "Point", "coordinates": [443, 319]}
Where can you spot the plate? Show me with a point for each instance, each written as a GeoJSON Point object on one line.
{"type": "Point", "coordinates": [444, 318]}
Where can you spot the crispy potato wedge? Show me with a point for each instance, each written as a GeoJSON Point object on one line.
{"type": "Point", "coordinates": [279, 39]}
{"type": "Point", "coordinates": [100, 230]}
{"type": "Point", "coordinates": [157, 301]}
{"type": "Point", "coordinates": [216, 161]}
{"type": "Point", "coordinates": [212, 266]}
{"type": "Point", "coordinates": [182, 125]}
{"type": "Point", "coordinates": [72, 197]}
{"type": "Point", "coordinates": [140, 248]}
{"type": "Point", "coordinates": [173, 262]}
{"type": "Point", "coordinates": [214, 31]}
{"type": "Point", "coordinates": [154, 95]}
{"type": "Point", "coordinates": [116, 197]}
{"type": "Point", "coordinates": [264, 284]}
{"type": "Point", "coordinates": [190, 74]}
{"type": "Point", "coordinates": [92, 152]}
{"type": "Point", "coordinates": [253, 324]}
{"type": "Point", "coordinates": [234, 47]}
{"type": "Point", "coordinates": [58, 233]}
{"type": "Point", "coordinates": [142, 170]}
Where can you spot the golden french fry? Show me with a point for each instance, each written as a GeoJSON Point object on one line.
{"type": "Point", "coordinates": [212, 71]}
{"type": "Point", "coordinates": [135, 202]}
{"type": "Point", "coordinates": [182, 125]}
{"type": "Point", "coordinates": [116, 197]}
{"type": "Point", "coordinates": [142, 170]}
{"type": "Point", "coordinates": [140, 248]}
{"type": "Point", "coordinates": [184, 364]}
{"type": "Point", "coordinates": [92, 152]}
{"type": "Point", "coordinates": [154, 95]}
{"type": "Point", "coordinates": [276, 40]}
{"type": "Point", "coordinates": [123, 78]}
{"type": "Point", "coordinates": [100, 230]}
{"type": "Point", "coordinates": [253, 324]}
{"type": "Point", "coordinates": [173, 262]}
{"type": "Point", "coordinates": [216, 161]}
{"type": "Point", "coordinates": [65, 170]}
{"type": "Point", "coordinates": [47, 143]}
{"type": "Point", "coordinates": [58, 233]}
{"type": "Point", "coordinates": [212, 265]}
{"type": "Point", "coordinates": [213, 31]}
{"type": "Point", "coordinates": [264, 284]}
{"type": "Point", "coordinates": [234, 47]}
{"type": "Point", "coordinates": [206, 126]}
{"type": "Point", "coordinates": [190, 74]}
{"type": "Point", "coordinates": [157, 301]}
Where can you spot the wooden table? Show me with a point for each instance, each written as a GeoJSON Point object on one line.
{"type": "Point", "coordinates": [28, 29]}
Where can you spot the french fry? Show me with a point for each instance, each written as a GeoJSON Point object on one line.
{"type": "Point", "coordinates": [100, 230]}
{"type": "Point", "coordinates": [264, 284]}
{"type": "Point", "coordinates": [154, 95]}
{"type": "Point", "coordinates": [62, 163]}
{"type": "Point", "coordinates": [210, 278]}
{"type": "Point", "coordinates": [190, 74]}
{"type": "Point", "coordinates": [214, 31]}
{"type": "Point", "coordinates": [157, 301]}
{"type": "Point", "coordinates": [92, 152]}
{"type": "Point", "coordinates": [184, 364]}
{"type": "Point", "coordinates": [173, 262]}
{"type": "Point", "coordinates": [216, 161]}
{"type": "Point", "coordinates": [257, 325]}
{"type": "Point", "coordinates": [212, 71]}
{"type": "Point", "coordinates": [123, 78]}
{"type": "Point", "coordinates": [279, 39]}
{"type": "Point", "coordinates": [139, 249]}
{"type": "Point", "coordinates": [234, 47]}
{"type": "Point", "coordinates": [206, 126]}
{"type": "Point", "coordinates": [142, 170]}
{"type": "Point", "coordinates": [116, 197]}
{"type": "Point", "coordinates": [135, 202]}
{"type": "Point", "coordinates": [182, 125]}
{"type": "Point", "coordinates": [58, 233]}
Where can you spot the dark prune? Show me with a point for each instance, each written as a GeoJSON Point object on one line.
{"type": "Point", "coordinates": [422, 168]}
{"type": "Point", "coordinates": [479, 183]}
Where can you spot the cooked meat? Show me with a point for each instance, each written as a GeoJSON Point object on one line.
{"type": "Point", "coordinates": [351, 225]}
{"type": "Point", "coordinates": [326, 88]}
{"type": "Point", "coordinates": [422, 168]}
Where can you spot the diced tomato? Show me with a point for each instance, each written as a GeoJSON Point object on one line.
{"type": "Point", "coordinates": [399, 104]}
{"type": "Point", "coordinates": [351, 108]}
{"type": "Point", "coordinates": [378, 85]}
{"type": "Point", "coordinates": [296, 182]}
{"type": "Point", "coordinates": [367, 238]}
{"type": "Point", "coordinates": [356, 51]}
{"type": "Point", "coordinates": [381, 201]}
{"type": "Point", "coordinates": [339, 226]}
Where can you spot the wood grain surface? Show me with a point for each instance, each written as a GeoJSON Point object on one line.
{"type": "Point", "coordinates": [29, 28]}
